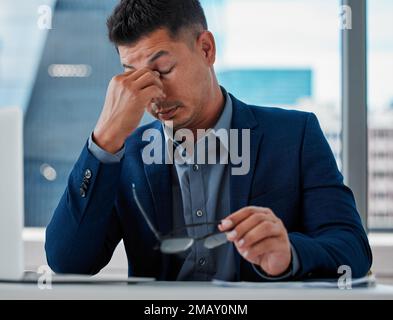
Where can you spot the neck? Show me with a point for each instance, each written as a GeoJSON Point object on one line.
{"type": "Point", "coordinates": [212, 110]}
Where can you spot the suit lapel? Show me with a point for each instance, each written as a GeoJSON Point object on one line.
{"type": "Point", "coordinates": [240, 185]}
{"type": "Point", "coordinates": [160, 184]}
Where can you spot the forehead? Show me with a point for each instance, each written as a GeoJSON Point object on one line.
{"type": "Point", "coordinates": [147, 46]}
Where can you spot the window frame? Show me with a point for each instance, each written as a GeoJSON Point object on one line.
{"type": "Point", "coordinates": [354, 104]}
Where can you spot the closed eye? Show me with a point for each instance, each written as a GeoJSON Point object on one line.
{"type": "Point", "coordinates": [163, 73]}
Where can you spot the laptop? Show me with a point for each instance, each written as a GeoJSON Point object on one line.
{"type": "Point", "coordinates": [11, 194]}
{"type": "Point", "coordinates": [12, 210]}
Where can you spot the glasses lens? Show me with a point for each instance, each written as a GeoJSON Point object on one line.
{"type": "Point", "coordinates": [215, 240]}
{"type": "Point", "coordinates": [176, 245]}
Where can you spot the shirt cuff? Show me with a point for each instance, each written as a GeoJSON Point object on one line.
{"type": "Point", "coordinates": [294, 268]}
{"type": "Point", "coordinates": [102, 155]}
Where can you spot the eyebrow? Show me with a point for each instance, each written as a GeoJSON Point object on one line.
{"type": "Point", "coordinates": [156, 56]}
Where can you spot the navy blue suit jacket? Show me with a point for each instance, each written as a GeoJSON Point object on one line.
{"type": "Point", "coordinates": [292, 171]}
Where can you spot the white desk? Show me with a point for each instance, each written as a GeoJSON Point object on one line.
{"type": "Point", "coordinates": [184, 290]}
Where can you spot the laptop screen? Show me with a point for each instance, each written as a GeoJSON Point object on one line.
{"type": "Point", "coordinates": [11, 193]}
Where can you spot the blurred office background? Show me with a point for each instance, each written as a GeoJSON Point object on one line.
{"type": "Point", "coordinates": [284, 53]}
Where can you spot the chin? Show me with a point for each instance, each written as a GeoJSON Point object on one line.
{"type": "Point", "coordinates": [178, 123]}
{"type": "Point", "coordinates": [174, 124]}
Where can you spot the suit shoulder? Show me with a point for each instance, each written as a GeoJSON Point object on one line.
{"type": "Point", "coordinates": [278, 113]}
{"type": "Point", "coordinates": [281, 118]}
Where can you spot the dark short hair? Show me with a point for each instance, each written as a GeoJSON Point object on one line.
{"type": "Point", "coordinates": [133, 19]}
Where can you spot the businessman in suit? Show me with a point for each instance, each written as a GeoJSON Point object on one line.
{"type": "Point", "coordinates": [288, 217]}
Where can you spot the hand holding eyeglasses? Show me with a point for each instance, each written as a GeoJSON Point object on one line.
{"type": "Point", "coordinates": [260, 237]}
{"type": "Point", "coordinates": [173, 243]}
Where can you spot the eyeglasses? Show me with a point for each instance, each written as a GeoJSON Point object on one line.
{"type": "Point", "coordinates": [174, 244]}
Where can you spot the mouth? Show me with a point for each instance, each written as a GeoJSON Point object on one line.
{"type": "Point", "coordinates": [167, 114]}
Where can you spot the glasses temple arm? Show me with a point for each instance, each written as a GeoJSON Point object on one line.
{"type": "Point", "coordinates": [145, 216]}
{"type": "Point", "coordinates": [217, 222]}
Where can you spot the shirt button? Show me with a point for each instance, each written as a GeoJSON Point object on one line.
{"type": "Point", "coordinates": [202, 261]}
{"type": "Point", "coordinates": [199, 213]}
{"type": "Point", "coordinates": [82, 192]}
{"type": "Point", "coordinates": [195, 167]}
{"type": "Point", "coordinates": [88, 174]}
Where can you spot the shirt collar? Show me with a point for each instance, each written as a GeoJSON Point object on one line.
{"type": "Point", "coordinates": [223, 122]}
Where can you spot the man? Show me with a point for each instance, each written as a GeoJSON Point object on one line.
{"type": "Point", "coordinates": [289, 216]}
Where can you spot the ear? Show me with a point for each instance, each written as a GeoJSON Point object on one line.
{"type": "Point", "coordinates": [207, 46]}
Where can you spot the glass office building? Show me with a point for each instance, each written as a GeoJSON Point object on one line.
{"type": "Point", "coordinates": [273, 87]}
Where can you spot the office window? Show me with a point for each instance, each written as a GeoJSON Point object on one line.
{"type": "Point", "coordinates": [282, 53]}
{"type": "Point", "coordinates": [74, 68]}
{"type": "Point", "coordinates": [380, 114]}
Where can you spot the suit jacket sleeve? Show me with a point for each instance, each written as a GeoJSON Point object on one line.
{"type": "Point", "coordinates": [332, 234]}
{"type": "Point", "coordinates": [84, 230]}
